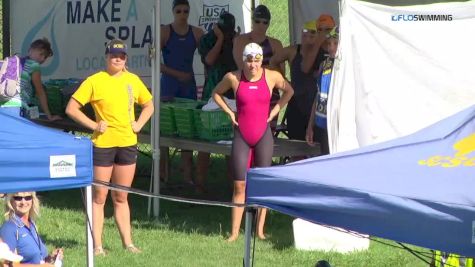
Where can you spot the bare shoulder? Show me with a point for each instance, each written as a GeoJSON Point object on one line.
{"type": "Point", "coordinates": [197, 30]}
{"type": "Point", "coordinates": [242, 39]}
{"type": "Point", "coordinates": [232, 76]}
{"type": "Point", "coordinates": [164, 33]}
{"type": "Point", "coordinates": [165, 29]}
{"type": "Point", "coordinates": [275, 42]}
{"type": "Point", "coordinates": [273, 74]}
{"type": "Point", "coordinates": [291, 49]}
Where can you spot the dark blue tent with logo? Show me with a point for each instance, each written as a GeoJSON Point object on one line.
{"type": "Point", "coordinates": [36, 158]}
{"type": "Point", "coordinates": [418, 189]}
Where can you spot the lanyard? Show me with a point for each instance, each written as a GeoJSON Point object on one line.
{"type": "Point", "coordinates": [33, 233]}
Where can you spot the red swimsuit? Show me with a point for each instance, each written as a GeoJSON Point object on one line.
{"type": "Point", "coordinates": [253, 101]}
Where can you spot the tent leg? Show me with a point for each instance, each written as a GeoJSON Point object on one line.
{"type": "Point", "coordinates": [250, 213]}
{"type": "Point", "coordinates": [89, 241]}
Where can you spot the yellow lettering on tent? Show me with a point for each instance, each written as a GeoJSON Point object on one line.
{"type": "Point", "coordinates": [463, 148]}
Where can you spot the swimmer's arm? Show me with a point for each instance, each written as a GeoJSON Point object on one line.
{"type": "Point", "coordinates": [283, 85]}
{"type": "Point", "coordinates": [222, 87]}
{"type": "Point", "coordinates": [238, 47]}
{"type": "Point", "coordinates": [73, 110]}
{"type": "Point", "coordinates": [280, 57]}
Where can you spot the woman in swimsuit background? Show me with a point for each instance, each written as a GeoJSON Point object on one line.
{"type": "Point", "coordinates": [253, 141]}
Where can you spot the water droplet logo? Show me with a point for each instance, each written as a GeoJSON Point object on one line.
{"type": "Point", "coordinates": [53, 64]}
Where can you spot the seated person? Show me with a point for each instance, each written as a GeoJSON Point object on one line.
{"type": "Point", "coordinates": [19, 231]}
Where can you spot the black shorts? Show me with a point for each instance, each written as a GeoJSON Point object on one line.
{"type": "Point", "coordinates": [109, 156]}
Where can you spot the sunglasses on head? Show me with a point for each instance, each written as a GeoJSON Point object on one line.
{"type": "Point", "coordinates": [20, 198]}
{"type": "Point", "coordinates": [179, 11]}
{"type": "Point", "coordinates": [309, 31]}
{"type": "Point", "coordinates": [259, 21]}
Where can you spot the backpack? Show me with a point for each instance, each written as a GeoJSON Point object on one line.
{"type": "Point", "coordinates": [10, 76]}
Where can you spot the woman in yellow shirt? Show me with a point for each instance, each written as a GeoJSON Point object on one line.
{"type": "Point", "coordinates": [112, 94]}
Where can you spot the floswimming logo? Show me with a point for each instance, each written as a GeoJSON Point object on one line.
{"type": "Point", "coordinates": [421, 17]}
{"type": "Point", "coordinates": [210, 15]}
{"type": "Point", "coordinates": [463, 148]}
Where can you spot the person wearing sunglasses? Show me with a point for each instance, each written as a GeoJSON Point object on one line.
{"type": "Point", "coordinates": [178, 42]}
{"type": "Point", "coordinates": [215, 48]}
{"type": "Point", "coordinates": [317, 123]}
{"type": "Point", "coordinates": [113, 94]}
{"type": "Point", "coordinates": [304, 83]}
{"type": "Point", "coordinates": [253, 140]}
{"type": "Point", "coordinates": [20, 233]}
{"type": "Point", "coordinates": [261, 18]}
{"type": "Point", "coordinates": [325, 23]}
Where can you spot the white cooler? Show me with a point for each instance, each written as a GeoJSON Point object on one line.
{"type": "Point", "coordinates": [310, 236]}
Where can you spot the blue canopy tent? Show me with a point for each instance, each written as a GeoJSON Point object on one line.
{"type": "Point", "coordinates": [36, 158]}
{"type": "Point", "coordinates": [416, 189]}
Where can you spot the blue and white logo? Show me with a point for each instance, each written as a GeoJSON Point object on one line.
{"type": "Point", "coordinates": [210, 15]}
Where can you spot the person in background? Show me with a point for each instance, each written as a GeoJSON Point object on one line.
{"type": "Point", "coordinates": [325, 23]}
{"type": "Point", "coordinates": [317, 123]}
{"type": "Point", "coordinates": [304, 83]}
{"type": "Point", "coordinates": [253, 138]}
{"type": "Point", "coordinates": [113, 93]}
{"type": "Point", "coordinates": [20, 233]}
{"type": "Point", "coordinates": [216, 50]}
{"type": "Point", "coordinates": [260, 24]}
{"type": "Point", "coordinates": [178, 42]}
{"type": "Point", "coordinates": [30, 83]}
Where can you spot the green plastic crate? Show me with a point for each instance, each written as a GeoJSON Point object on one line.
{"type": "Point", "coordinates": [55, 100]}
{"type": "Point", "coordinates": [167, 120]}
{"type": "Point", "coordinates": [185, 122]}
{"type": "Point", "coordinates": [213, 125]}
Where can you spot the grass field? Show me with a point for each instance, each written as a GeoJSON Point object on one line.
{"type": "Point", "coordinates": [191, 235]}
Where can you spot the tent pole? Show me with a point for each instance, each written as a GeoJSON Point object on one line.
{"type": "Point", "coordinates": [155, 133]}
{"type": "Point", "coordinates": [290, 6]}
{"type": "Point", "coordinates": [248, 236]}
{"type": "Point", "coordinates": [89, 240]}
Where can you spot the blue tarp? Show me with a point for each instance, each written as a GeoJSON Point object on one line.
{"type": "Point", "coordinates": [36, 158]}
{"type": "Point", "coordinates": [418, 189]}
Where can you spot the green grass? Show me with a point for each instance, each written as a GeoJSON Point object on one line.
{"type": "Point", "coordinates": [190, 235]}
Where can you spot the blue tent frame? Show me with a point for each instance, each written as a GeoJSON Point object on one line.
{"type": "Point", "coordinates": [416, 189]}
{"type": "Point", "coordinates": [36, 158]}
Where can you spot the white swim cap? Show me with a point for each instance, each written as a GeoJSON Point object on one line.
{"type": "Point", "coordinates": [252, 50]}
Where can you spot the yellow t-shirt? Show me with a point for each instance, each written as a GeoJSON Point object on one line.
{"type": "Point", "coordinates": [111, 101]}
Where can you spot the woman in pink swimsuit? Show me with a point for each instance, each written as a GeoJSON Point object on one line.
{"type": "Point", "coordinates": [253, 139]}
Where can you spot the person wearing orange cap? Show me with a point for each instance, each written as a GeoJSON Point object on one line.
{"type": "Point", "coordinates": [317, 124]}
{"type": "Point", "coordinates": [325, 23]}
{"type": "Point", "coordinates": [304, 83]}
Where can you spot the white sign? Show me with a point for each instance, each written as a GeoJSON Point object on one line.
{"type": "Point", "coordinates": [62, 166]}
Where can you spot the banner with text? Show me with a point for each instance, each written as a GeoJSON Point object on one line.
{"type": "Point", "coordinates": [79, 29]}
